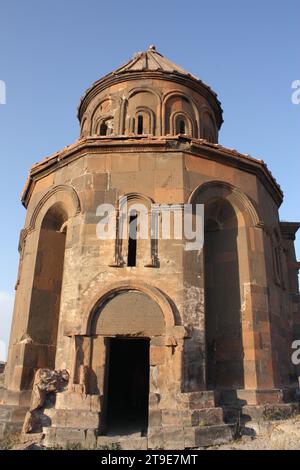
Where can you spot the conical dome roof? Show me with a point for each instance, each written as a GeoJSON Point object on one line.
{"type": "Point", "coordinates": [153, 61]}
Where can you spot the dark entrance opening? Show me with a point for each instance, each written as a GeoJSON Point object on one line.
{"type": "Point", "coordinates": [128, 386]}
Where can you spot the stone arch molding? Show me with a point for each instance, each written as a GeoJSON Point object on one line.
{"type": "Point", "coordinates": [106, 294]}
{"type": "Point", "coordinates": [188, 121]}
{"type": "Point", "coordinates": [220, 189]}
{"type": "Point", "coordinates": [172, 94]}
{"type": "Point", "coordinates": [136, 90]}
{"type": "Point", "coordinates": [132, 197]}
{"type": "Point", "coordinates": [59, 194]}
{"type": "Point", "coordinates": [94, 120]}
{"type": "Point", "coordinates": [204, 109]}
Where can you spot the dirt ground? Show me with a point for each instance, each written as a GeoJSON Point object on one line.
{"type": "Point", "coordinates": [279, 435]}
{"type": "Point", "coordinates": [270, 435]}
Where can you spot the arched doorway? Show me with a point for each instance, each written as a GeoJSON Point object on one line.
{"type": "Point", "coordinates": [123, 327]}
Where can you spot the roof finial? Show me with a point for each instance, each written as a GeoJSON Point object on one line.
{"type": "Point", "coordinates": [152, 48]}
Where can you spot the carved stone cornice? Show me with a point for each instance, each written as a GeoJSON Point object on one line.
{"type": "Point", "coordinates": [289, 230]}
{"type": "Point", "coordinates": [135, 144]}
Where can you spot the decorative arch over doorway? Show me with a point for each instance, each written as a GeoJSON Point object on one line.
{"type": "Point", "coordinates": [114, 289]}
{"type": "Point", "coordinates": [124, 343]}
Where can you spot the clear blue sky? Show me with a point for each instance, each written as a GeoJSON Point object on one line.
{"type": "Point", "coordinates": [52, 51]}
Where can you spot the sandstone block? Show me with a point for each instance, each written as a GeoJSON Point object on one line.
{"type": "Point", "coordinates": [212, 435]}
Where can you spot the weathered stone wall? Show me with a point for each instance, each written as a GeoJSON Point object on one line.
{"type": "Point", "coordinates": [90, 267]}
{"type": "Point", "coordinates": [219, 321]}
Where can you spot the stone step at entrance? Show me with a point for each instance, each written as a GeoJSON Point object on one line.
{"type": "Point", "coordinates": [70, 437]}
{"type": "Point", "coordinates": [168, 438]}
{"type": "Point", "coordinates": [256, 413]}
{"type": "Point", "coordinates": [130, 442]}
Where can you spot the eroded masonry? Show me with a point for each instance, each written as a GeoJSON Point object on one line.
{"type": "Point", "coordinates": [147, 339]}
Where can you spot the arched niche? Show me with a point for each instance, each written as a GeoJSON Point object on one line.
{"type": "Point", "coordinates": [135, 210]}
{"type": "Point", "coordinates": [144, 121]}
{"type": "Point", "coordinates": [105, 126]}
{"type": "Point", "coordinates": [48, 227]}
{"type": "Point", "coordinates": [47, 285]}
{"type": "Point", "coordinates": [181, 123]}
{"type": "Point", "coordinates": [229, 215]}
{"type": "Point", "coordinates": [223, 323]}
{"type": "Point", "coordinates": [102, 113]}
{"type": "Point", "coordinates": [144, 103]}
{"type": "Point", "coordinates": [246, 212]}
{"type": "Point", "coordinates": [176, 103]}
{"type": "Point", "coordinates": [84, 131]}
{"type": "Point", "coordinates": [64, 194]}
{"type": "Point", "coordinates": [209, 129]}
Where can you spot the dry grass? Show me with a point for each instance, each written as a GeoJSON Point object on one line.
{"type": "Point", "coordinates": [10, 441]}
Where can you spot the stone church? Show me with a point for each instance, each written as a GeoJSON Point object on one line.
{"type": "Point", "coordinates": [141, 341]}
